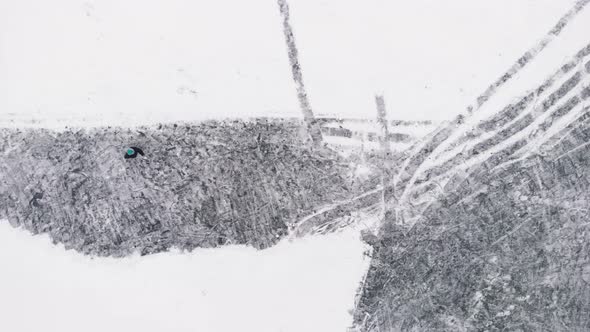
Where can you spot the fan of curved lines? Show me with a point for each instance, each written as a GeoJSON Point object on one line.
{"type": "Point", "coordinates": [508, 135]}
{"type": "Point", "coordinates": [511, 135]}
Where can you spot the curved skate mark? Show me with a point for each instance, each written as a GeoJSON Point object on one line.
{"type": "Point", "coordinates": [530, 54]}
{"type": "Point", "coordinates": [303, 222]}
{"type": "Point", "coordinates": [437, 143]}
{"type": "Point", "coordinates": [474, 147]}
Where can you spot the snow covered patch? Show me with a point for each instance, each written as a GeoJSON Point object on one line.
{"type": "Point", "coordinates": [362, 171]}
{"type": "Point", "coordinates": [109, 62]}
{"type": "Point", "coordinates": [304, 285]}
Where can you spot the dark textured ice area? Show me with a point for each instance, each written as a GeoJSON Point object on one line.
{"type": "Point", "coordinates": [198, 185]}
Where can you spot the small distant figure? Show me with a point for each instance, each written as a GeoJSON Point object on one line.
{"type": "Point", "coordinates": [132, 152]}
{"type": "Point", "coordinates": [34, 202]}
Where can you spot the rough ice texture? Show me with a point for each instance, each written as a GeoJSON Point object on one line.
{"type": "Point", "coordinates": [199, 185]}
{"type": "Point", "coordinates": [502, 245]}
{"type": "Point", "coordinates": [498, 238]}
{"type": "Point", "coordinates": [503, 249]}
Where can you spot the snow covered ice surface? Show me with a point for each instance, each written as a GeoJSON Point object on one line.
{"type": "Point", "coordinates": [82, 62]}
{"type": "Point", "coordinates": [303, 285]}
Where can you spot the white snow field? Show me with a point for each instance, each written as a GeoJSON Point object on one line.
{"type": "Point", "coordinates": [84, 62]}
{"type": "Point", "coordinates": [303, 285]}
{"type": "Point", "coordinates": [127, 63]}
